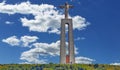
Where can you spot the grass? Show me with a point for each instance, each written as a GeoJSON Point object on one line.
{"type": "Point", "coordinates": [58, 67]}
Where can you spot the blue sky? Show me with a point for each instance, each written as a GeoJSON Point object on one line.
{"type": "Point", "coordinates": [26, 36]}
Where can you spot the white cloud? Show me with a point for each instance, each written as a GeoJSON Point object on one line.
{"type": "Point", "coordinates": [37, 49]}
{"type": "Point", "coordinates": [48, 49]}
{"type": "Point", "coordinates": [25, 63]}
{"type": "Point", "coordinates": [13, 41]}
{"type": "Point", "coordinates": [24, 40]}
{"type": "Point", "coordinates": [52, 49]}
{"type": "Point", "coordinates": [84, 60]}
{"type": "Point", "coordinates": [79, 22]}
{"type": "Point", "coordinates": [46, 17]}
{"type": "Point", "coordinates": [115, 64]}
{"type": "Point", "coordinates": [80, 38]}
{"type": "Point", "coordinates": [8, 22]}
{"type": "Point", "coordinates": [28, 39]}
{"type": "Point", "coordinates": [32, 56]}
{"type": "Point", "coordinates": [42, 50]}
{"type": "Point", "coordinates": [22, 8]}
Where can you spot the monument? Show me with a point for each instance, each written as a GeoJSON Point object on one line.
{"type": "Point", "coordinates": [70, 57]}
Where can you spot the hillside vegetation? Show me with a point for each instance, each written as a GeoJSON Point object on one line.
{"type": "Point", "coordinates": [58, 67]}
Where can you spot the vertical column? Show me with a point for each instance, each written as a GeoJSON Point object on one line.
{"type": "Point", "coordinates": [71, 42]}
{"type": "Point", "coordinates": [71, 55]}
{"type": "Point", "coordinates": [62, 44]}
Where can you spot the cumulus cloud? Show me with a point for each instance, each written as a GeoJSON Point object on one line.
{"type": "Point", "coordinates": [42, 50]}
{"type": "Point", "coordinates": [8, 22]}
{"type": "Point", "coordinates": [24, 40]}
{"type": "Point", "coordinates": [22, 8]}
{"type": "Point", "coordinates": [50, 49]}
{"type": "Point", "coordinates": [13, 41]}
{"type": "Point", "coordinates": [115, 64]}
{"type": "Point", "coordinates": [46, 17]}
{"type": "Point", "coordinates": [39, 50]}
{"type": "Point", "coordinates": [32, 56]}
{"type": "Point", "coordinates": [28, 39]}
{"type": "Point", "coordinates": [84, 60]}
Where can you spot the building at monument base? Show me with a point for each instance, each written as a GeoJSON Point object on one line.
{"type": "Point", "coordinates": [67, 59]}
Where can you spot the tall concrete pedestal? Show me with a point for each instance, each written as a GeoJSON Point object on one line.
{"type": "Point", "coordinates": [71, 59]}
